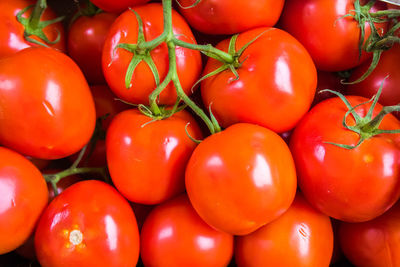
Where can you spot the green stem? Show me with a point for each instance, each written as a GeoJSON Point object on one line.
{"type": "Point", "coordinates": [37, 12]}
{"type": "Point", "coordinates": [227, 58]}
{"type": "Point", "coordinates": [386, 13]}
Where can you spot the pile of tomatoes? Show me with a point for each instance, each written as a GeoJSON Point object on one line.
{"type": "Point", "coordinates": [199, 133]}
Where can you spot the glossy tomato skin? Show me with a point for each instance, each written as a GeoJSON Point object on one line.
{"type": "Point", "coordinates": [241, 178]}
{"type": "Point", "coordinates": [387, 72]}
{"type": "Point", "coordinates": [373, 243]}
{"type": "Point", "coordinates": [331, 39]}
{"type": "Point", "coordinates": [23, 196]}
{"type": "Point", "coordinates": [350, 185]}
{"type": "Point", "coordinates": [276, 85]}
{"type": "Point", "coordinates": [12, 32]}
{"type": "Point", "coordinates": [174, 235]}
{"type": "Point", "coordinates": [47, 109]}
{"type": "Point", "coordinates": [115, 61]}
{"type": "Point", "coordinates": [147, 159]}
{"type": "Point", "coordinates": [86, 38]}
{"type": "Point", "coordinates": [89, 224]}
{"type": "Point", "coordinates": [117, 6]}
{"type": "Point", "coordinates": [229, 17]}
{"type": "Point", "coordinates": [302, 236]}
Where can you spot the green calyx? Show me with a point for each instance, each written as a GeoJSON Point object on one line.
{"type": "Point", "coordinates": [377, 42]}
{"type": "Point", "coordinates": [366, 127]}
{"type": "Point", "coordinates": [33, 26]}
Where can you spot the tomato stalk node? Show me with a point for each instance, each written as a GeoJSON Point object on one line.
{"type": "Point", "coordinates": [33, 26]}
{"type": "Point", "coordinates": [367, 126]}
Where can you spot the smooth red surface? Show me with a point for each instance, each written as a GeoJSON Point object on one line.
{"type": "Point", "coordinates": [229, 16]}
{"type": "Point", "coordinates": [47, 110]}
{"type": "Point", "coordinates": [374, 243]}
{"type": "Point", "coordinates": [350, 185]}
{"type": "Point", "coordinates": [174, 235]}
{"type": "Point", "coordinates": [241, 178]}
{"type": "Point", "coordinates": [109, 233]}
{"type": "Point", "coordinates": [147, 160]}
{"type": "Point", "coordinates": [331, 39]}
{"type": "Point", "coordinates": [12, 32]}
{"type": "Point", "coordinates": [302, 236]}
{"type": "Point", "coordinates": [117, 6]}
{"type": "Point", "coordinates": [86, 38]}
{"type": "Point", "coordinates": [276, 84]}
{"type": "Point", "coordinates": [23, 196]}
{"type": "Point", "coordinates": [116, 61]}
{"type": "Point", "coordinates": [387, 72]}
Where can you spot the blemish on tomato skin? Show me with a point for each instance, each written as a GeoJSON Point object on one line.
{"type": "Point", "coordinates": [368, 158]}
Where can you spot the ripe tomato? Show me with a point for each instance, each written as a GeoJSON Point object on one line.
{"type": "Point", "coordinates": [276, 85]}
{"type": "Point", "coordinates": [327, 80]}
{"type": "Point", "coordinates": [89, 224]}
{"type": "Point", "coordinates": [373, 243]}
{"type": "Point", "coordinates": [174, 235]}
{"type": "Point", "coordinates": [47, 110]}
{"type": "Point", "coordinates": [23, 196]}
{"type": "Point", "coordinates": [241, 178]}
{"type": "Point", "coordinates": [228, 17]}
{"type": "Point", "coordinates": [86, 38]}
{"type": "Point", "coordinates": [389, 68]}
{"type": "Point", "coordinates": [147, 159]}
{"type": "Point", "coordinates": [12, 32]}
{"type": "Point", "coordinates": [331, 39]}
{"type": "Point", "coordinates": [347, 184]}
{"type": "Point", "coordinates": [116, 61]}
{"type": "Point", "coordinates": [117, 6]}
{"type": "Point", "coordinates": [302, 236]}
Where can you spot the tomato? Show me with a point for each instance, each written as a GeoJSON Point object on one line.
{"type": "Point", "coordinates": [23, 196]}
{"type": "Point", "coordinates": [174, 235]}
{"type": "Point", "coordinates": [117, 6]}
{"type": "Point", "coordinates": [12, 32]}
{"type": "Point", "coordinates": [331, 39]}
{"type": "Point", "coordinates": [302, 236]}
{"type": "Point", "coordinates": [373, 243]}
{"type": "Point", "coordinates": [116, 61]}
{"type": "Point", "coordinates": [47, 110]}
{"type": "Point", "coordinates": [241, 178]}
{"type": "Point", "coordinates": [89, 224]}
{"type": "Point", "coordinates": [86, 38]}
{"type": "Point", "coordinates": [147, 159]}
{"type": "Point", "coordinates": [106, 107]}
{"type": "Point", "coordinates": [387, 71]}
{"type": "Point", "coordinates": [347, 184]}
{"type": "Point", "coordinates": [276, 85]}
{"type": "Point", "coordinates": [229, 17]}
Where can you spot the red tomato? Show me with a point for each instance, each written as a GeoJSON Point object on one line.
{"type": "Point", "coordinates": [276, 85]}
{"type": "Point", "coordinates": [228, 17]}
{"type": "Point", "coordinates": [373, 243]}
{"type": "Point", "coordinates": [12, 32]}
{"type": "Point", "coordinates": [89, 224]}
{"type": "Point", "coordinates": [389, 68]}
{"type": "Point", "coordinates": [174, 235]}
{"type": "Point", "coordinates": [331, 39]}
{"type": "Point", "coordinates": [117, 6]}
{"type": "Point", "coordinates": [47, 110]}
{"type": "Point", "coordinates": [302, 236]}
{"type": "Point", "coordinates": [23, 196]}
{"type": "Point", "coordinates": [85, 44]}
{"type": "Point", "coordinates": [241, 178]}
{"type": "Point", "coordinates": [147, 159]}
{"type": "Point", "coordinates": [350, 185]}
{"type": "Point", "coordinates": [116, 61]}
